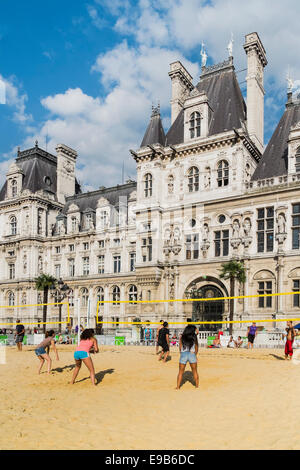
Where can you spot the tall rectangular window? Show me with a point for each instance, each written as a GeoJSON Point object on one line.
{"type": "Point", "coordinates": [296, 297]}
{"type": "Point", "coordinates": [101, 264]}
{"type": "Point", "coordinates": [11, 271]}
{"type": "Point", "coordinates": [71, 267]}
{"type": "Point", "coordinates": [117, 264]}
{"type": "Point", "coordinates": [221, 243]}
{"type": "Point", "coordinates": [296, 227]}
{"type": "Point", "coordinates": [264, 287]}
{"type": "Point", "coordinates": [132, 262]}
{"type": "Point", "coordinates": [192, 246]}
{"type": "Point", "coordinates": [265, 229]}
{"type": "Point", "coordinates": [86, 266]}
{"type": "Point", "coordinates": [147, 247]}
{"type": "Point", "coordinates": [86, 246]}
{"type": "Point", "coordinates": [57, 271]}
{"type": "Point", "coordinates": [71, 247]}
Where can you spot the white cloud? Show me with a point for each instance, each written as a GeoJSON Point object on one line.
{"type": "Point", "coordinates": [16, 101]}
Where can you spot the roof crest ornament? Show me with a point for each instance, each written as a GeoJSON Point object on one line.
{"type": "Point", "coordinates": [290, 81]}
{"type": "Point", "coordinates": [203, 55]}
{"type": "Point", "coordinates": [156, 110]}
{"type": "Point", "coordinates": [230, 46]}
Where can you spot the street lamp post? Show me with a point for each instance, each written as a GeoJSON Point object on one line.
{"type": "Point", "coordinates": [61, 292]}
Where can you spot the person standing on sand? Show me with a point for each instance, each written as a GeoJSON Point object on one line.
{"type": "Point", "coordinates": [290, 335]}
{"type": "Point", "coordinates": [188, 347]}
{"type": "Point", "coordinates": [87, 344]}
{"type": "Point", "coordinates": [41, 352]}
{"type": "Point", "coordinates": [158, 343]}
{"type": "Point", "coordinates": [251, 333]}
{"type": "Point", "coordinates": [165, 341]}
{"type": "Point", "coordinates": [20, 332]}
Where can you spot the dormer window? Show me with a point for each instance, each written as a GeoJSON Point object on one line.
{"type": "Point", "coordinates": [223, 173]}
{"type": "Point", "coordinates": [297, 160]}
{"type": "Point", "coordinates": [13, 225]}
{"type": "Point", "coordinates": [193, 179]}
{"type": "Point", "coordinates": [195, 125]}
{"type": "Point", "coordinates": [148, 185]}
{"type": "Point", "coordinates": [14, 188]}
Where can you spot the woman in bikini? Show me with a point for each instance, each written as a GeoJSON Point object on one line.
{"type": "Point", "coordinates": [87, 344]}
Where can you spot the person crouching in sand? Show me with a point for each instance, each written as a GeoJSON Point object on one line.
{"type": "Point", "coordinates": [42, 350]}
{"type": "Point", "coordinates": [87, 344]}
{"type": "Point", "coordinates": [188, 347]}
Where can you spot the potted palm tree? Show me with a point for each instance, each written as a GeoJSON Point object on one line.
{"type": "Point", "coordinates": [43, 283]}
{"type": "Point", "coordinates": [234, 271]}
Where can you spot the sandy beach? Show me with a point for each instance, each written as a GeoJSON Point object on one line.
{"type": "Point", "coordinates": [246, 400]}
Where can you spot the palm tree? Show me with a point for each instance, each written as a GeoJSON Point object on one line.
{"type": "Point", "coordinates": [45, 282]}
{"type": "Point", "coordinates": [233, 270]}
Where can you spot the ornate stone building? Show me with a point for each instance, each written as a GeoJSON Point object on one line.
{"type": "Point", "coordinates": [207, 192]}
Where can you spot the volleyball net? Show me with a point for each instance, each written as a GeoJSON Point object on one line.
{"type": "Point", "coordinates": [270, 302]}
{"type": "Point", "coordinates": [33, 314]}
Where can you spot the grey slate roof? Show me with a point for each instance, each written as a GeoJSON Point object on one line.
{"type": "Point", "coordinates": [37, 164]}
{"type": "Point", "coordinates": [225, 99]}
{"type": "Point", "coordinates": [274, 161]}
{"type": "Point", "coordinates": [155, 133]}
{"type": "Point", "coordinates": [90, 200]}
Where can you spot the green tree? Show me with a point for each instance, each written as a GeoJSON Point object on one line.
{"type": "Point", "coordinates": [234, 271]}
{"type": "Point", "coordinates": [43, 283]}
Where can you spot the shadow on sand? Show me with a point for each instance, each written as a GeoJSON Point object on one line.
{"type": "Point", "coordinates": [187, 377]}
{"type": "Point", "coordinates": [61, 369]}
{"type": "Point", "coordinates": [280, 358]}
{"type": "Point", "coordinates": [99, 376]}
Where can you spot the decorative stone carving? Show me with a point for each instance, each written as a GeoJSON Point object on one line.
{"type": "Point", "coordinates": [236, 229]}
{"type": "Point", "coordinates": [205, 232]}
{"type": "Point", "coordinates": [170, 184]}
{"type": "Point", "coordinates": [281, 223]}
{"type": "Point", "coordinates": [247, 227]}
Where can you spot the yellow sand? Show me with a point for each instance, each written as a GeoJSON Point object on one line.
{"type": "Point", "coordinates": [246, 400]}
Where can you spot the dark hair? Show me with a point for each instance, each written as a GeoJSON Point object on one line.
{"type": "Point", "coordinates": [165, 324]}
{"type": "Point", "coordinates": [87, 334]}
{"type": "Point", "coordinates": [161, 321]}
{"type": "Point", "coordinates": [189, 337]}
{"type": "Point", "coordinates": [189, 320]}
{"type": "Point", "coordinates": [49, 333]}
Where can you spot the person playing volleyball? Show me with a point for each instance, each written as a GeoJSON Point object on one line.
{"type": "Point", "coordinates": [42, 350]}
{"type": "Point", "coordinates": [188, 347]}
{"type": "Point", "coordinates": [87, 344]}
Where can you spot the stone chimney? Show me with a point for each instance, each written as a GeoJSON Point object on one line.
{"type": "Point", "coordinates": [257, 60]}
{"type": "Point", "coordinates": [66, 160]}
{"type": "Point", "coordinates": [181, 87]}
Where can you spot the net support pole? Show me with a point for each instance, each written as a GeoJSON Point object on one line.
{"type": "Point", "coordinates": [78, 320]}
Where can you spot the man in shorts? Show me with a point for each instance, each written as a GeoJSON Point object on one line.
{"type": "Point", "coordinates": [20, 332]}
{"type": "Point", "coordinates": [252, 332]}
{"type": "Point", "coordinates": [164, 337]}
{"type": "Point", "coordinates": [158, 343]}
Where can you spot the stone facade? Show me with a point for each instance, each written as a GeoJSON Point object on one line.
{"type": "Point", "coordinates": [201, 198]}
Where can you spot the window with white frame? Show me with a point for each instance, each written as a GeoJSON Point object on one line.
{"type": "Point", "coordinates": [133, 294]}
{"type": "Point", "coordinates": [148, 183]}
{"type": "Point", "coordinates": [264, 287]}
{"type": "Point", "coordinates": [116, 295]}
{"type": "Point", "coordinates": [265, 229]}
{"type": "Point", "coordinates": [84, 297]}
{"type": "Point", "coordinates": [100, 295]}
{"type": "Point", "coordinates": [85, 265]}
{"type": "Point", "coordinates": [86, 246]}
{"type": "Point", "coordinates": [14, 188]}
{"type": "Point", "coordinates": [13, 225]}
{"type": "Point", "coordinates": [101, 260]}
{"type": "Point", "coordinates": [195, 125]}
{"type": "Point", "coordinates": [147, 249]}
{"type": "Point", "coordinates": [193, 179]}
{"type": "Point", "coordinates": [71, 267]}
{"type": "Point", "coordinates": [117, 263]}
{"type": "Point", "coordinates": [12, 271]}
{"type": "Point", "coordinates": [192, 246]}
{"type": "Point", "coordinates": [71, 248]}
{"type": "Point", "coordinates": [296, 295]}
{"type": "Point", "coordinates": [11, 298]}
{"type": "Point", "coordinates": [223, 173]}
{"type": "Point", "coordinates": [221, 243]}
{"type": "Point", "coordinates": [103, 218]}
{"type": "Point", "coordinates": [57, 271]}
{"type": "Point", "coordinates": [132, 262]}
{"type": "Point", "coordinates": [71, 298]}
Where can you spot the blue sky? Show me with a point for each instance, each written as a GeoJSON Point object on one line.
{"type": "Point", "coordinates": [86, 73]}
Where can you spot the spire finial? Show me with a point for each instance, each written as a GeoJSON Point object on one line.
{"type": "Point", "coordinates": [203, 55]}
{"type": "Point", "coordinates": [36, 144]}
{"type": "Point", "coordinates": [290, 81]}
{"type": "Point", "coordinates": [230, 46]}
{"type": "Point", "coordinates": [156, 110]}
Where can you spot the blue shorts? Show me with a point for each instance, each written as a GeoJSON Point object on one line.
{"type": "Point", "coordinates": [39, 351]}
{"type": "Point", "coordinates": [78, 355]}
{"type": "Point", "coordinates": [187, 356]}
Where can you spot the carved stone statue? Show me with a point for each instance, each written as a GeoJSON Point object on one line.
{"type": "Point", "coordinates": [235, 229]}
{"type": "Point", "coordinates": [247, 227]}
{"type": "Point", "coordinates": [281, 223]}
{"type": "Point", "coordinates": [230, 46]}
{"type": "Point", "coordinates": [170, 184]}
{"type": "Point", "coordinates": [207, 179]}
{"type": "Point", "coordinates": [205, 232]}
{"type": "Point", "coordinates": [203, 56]}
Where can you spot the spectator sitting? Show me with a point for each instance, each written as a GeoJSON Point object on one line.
{"type": "Point", "coordinates": [231, 343]}
{"type": "Point", "coordinates": [239, 342]}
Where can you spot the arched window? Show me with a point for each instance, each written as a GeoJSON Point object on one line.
{"type": "Point", "coordinates": [11, 298]}
{"type": "Point", "coordinates": [14, 188]}
{"type": "Point", "coordinates": [223, 173]}
{"type": "Point", "coordinates": [193, 179]}
{"type": "Point", "coordinates": [84, 297]}
{"type": "Point", "coordinates": [148, 185]}
{"type": "Point", "coordinates": [100, 295]}
{"type": "Point", "coordinates": [116, 295]}
{"type": "Point", "coordinates": [13, 225]}
{"type": "Point", "coordinates": [133, 293]}
{"type": "Point", "coordinates": [297, 161]}
{"type": "Point", "coordinates": [195, 125]}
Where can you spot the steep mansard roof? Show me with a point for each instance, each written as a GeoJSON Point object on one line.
{"type": "Point", "coordinates": [90, 200]}
{"type": "Point", "coordinates": [37, 164]}
{"type": "Point", "coordinates": [155, 133]}
{"type": "Point", "coordinates": [228, 107]}
{"type": "Point", "coordinates": [274, 161]}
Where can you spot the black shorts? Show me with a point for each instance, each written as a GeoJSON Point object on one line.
{"type": "Point", "coordinates": [251, 338]}
{"type": "Point", "coordinates": [19, 338]}
{"type": "Point", "coordinates": [165, 347]}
